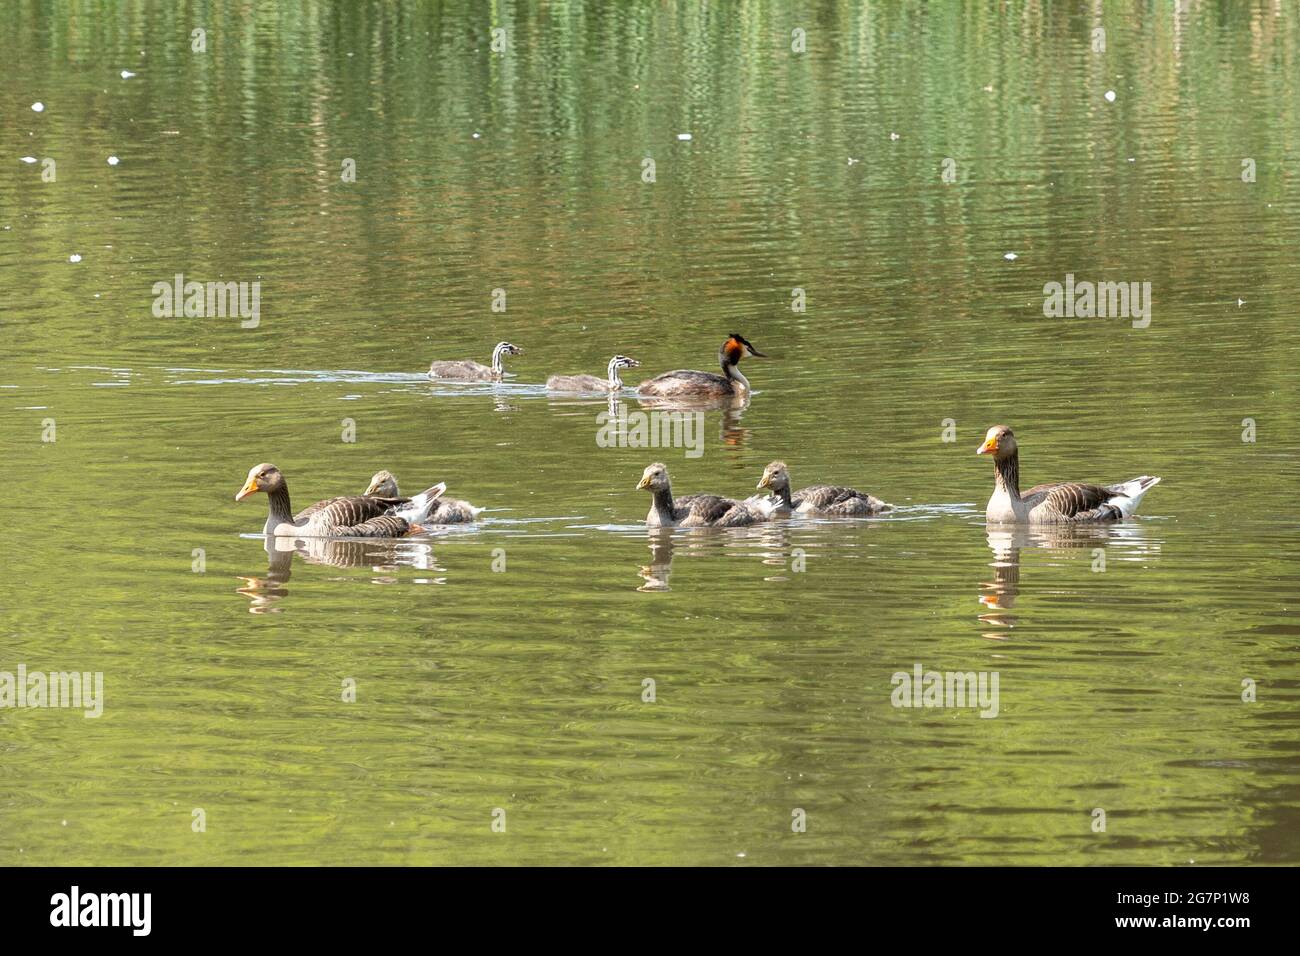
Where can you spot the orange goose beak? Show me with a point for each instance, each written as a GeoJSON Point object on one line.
{"type": "Point", "coordinates": [988, 448]}
{"type": "Point", "coordinates": [250, 486]}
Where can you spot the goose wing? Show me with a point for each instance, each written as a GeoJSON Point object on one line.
{"type": "Point", "coordinates": [358, 516]}
{"type": "Point", "coordinates": [312, 509]}
{"type": "Point", "coordinates": [1071, 501]}
{"type": "Point", "coordinates": [839, 500]}
{"type": "Point", "coordinates": [703, 509]}
{"type": "Point", "coordinates": [824, 496]}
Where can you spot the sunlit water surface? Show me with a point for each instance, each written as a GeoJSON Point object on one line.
{"type": "Point", "coordinates": [505, 666]}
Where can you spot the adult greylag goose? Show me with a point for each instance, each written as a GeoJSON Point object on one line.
{"type": "Point", "coordinates": [466, 370]}
{"type": "Point", "coordinates": [1054, 502]}
{"type": "Point", "coordinates": [688, 383]}
{"type": "Point", "coordinates": [435, 511]}
{"type": "Point", "coordinates": [356, 516]}
{"type": "Point", "coordinates": [831, 501]}
{"type": "Point", "coordinates": [590, 383]}
{"type": "Point", "coordinates": [691, 511]}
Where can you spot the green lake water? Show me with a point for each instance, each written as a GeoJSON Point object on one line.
{"type": "Point", "coordinates": [502, 666]}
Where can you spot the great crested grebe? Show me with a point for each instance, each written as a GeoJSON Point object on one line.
{"type": "Point", "coordinates": [356, 516]}
{"type": "Point", "coordinates": [691, 511]}
{"type": "Point", "coordinates": [590, 383]}
{"type": "Point", "coordinates": [690, 383]}
{"type": "Point", "coordinates": [440, 511]}
{"type": "Point", "coordinates": [817, 500]}
{"type": "Point", "coordinates": [1054, 502]}
{"type": "Point", "coordinates": [466, 370]}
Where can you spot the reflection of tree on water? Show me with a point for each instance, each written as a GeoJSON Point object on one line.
{"type": "Point", "coordinates": [384, 556]}
{"type": "Point", "coordinates": [770, 539]}
{"type": "Point", "coordinates": [1007, 541]}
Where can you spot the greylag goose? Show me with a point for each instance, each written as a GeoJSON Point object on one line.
{"type": "Point", "coordinates": [435, 511]}
{"type": "Point", "coordinates": [690, 383]}
{"type": "Point", "coordinates": [357, 516]}
{"type": "Point", "coordinates": [466, 370]}
{"type": "Point", "coordinates": [818, 500]}
{"type": "Point", "coordinates": [1054, 502]}
{"type": "Point", "coordinates": [691, 511]}
{"type": "Point", "coordinates": [590, 383]}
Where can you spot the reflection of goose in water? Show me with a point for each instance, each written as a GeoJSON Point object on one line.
{"type": "Point", "coordinates": [383, 557]}
{"type": "Point", "coordinates": [1006, 541]}
{"type": "Point", "coordinates": [770, 540]}
{"type": "Point", "coordinates": [655, 574]}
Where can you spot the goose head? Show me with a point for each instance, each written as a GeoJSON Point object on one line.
{"type": "Point", "coordinates": [264, 477]}
{"type": "Point", "coordinates": [998, 442]}
{"type": "Point", "coordinates": [654, 478]}
{"type": "Point", "coordinates": [505, 348]}
{"type": "Point", "coordinates": [775, 476]}
{"type": "Point", "coordinates": [383, 484]}
{"type": "Point", "coordinates": [736, 348]}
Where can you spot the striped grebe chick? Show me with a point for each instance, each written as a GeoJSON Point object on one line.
{"type": "Point", "coordinates": [590, 383]}
{"type": "Point", "coordinates": [466, 370]}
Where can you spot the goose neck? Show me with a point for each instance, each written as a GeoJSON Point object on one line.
{"type": "Point", "coordinates": [281, 510]}
{"type": "Point", "coordinates": [1007, 474]}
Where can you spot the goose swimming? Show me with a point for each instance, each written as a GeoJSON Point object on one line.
{"type": "Point", "coordinates": [1055, 501]}
{"type": "Point", "coordinates": [356, 516]}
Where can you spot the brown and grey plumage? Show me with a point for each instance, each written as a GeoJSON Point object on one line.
{"type": "Point", "coordinates": [690, 511]}
{"type": "Point", "coordinates": [1055, 502]}
{"type": "Point", "coordinates": [590, 383]}
{"type": "Point", "coordinates": [438, 511]}
{"type": "Point", "coordinates": [357, 516]}
{"type": "Point", "coordinates": [689, 383]}
{"type": "Point", "coordinates": [831, 501]}
{"type": "Point", "coordinates": [467, 370]}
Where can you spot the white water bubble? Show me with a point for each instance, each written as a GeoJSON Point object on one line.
{"type": "Point", "coordinates": [684, 136]}
{"type": "Point", "coordinates": [38, 107]}
{"type": "Point", "coordinates": [75, 257]}
{"type": "Point", "coordinates": [126, 74]}
{"type": "Point", "coordinates": [1011, 257]}
{"type": "Point", "coordinates": [113, 160]}
{"type": "Point", "coordinates": [27, 159]}
{"type": "Point", "coordinates": [1110, 96]}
